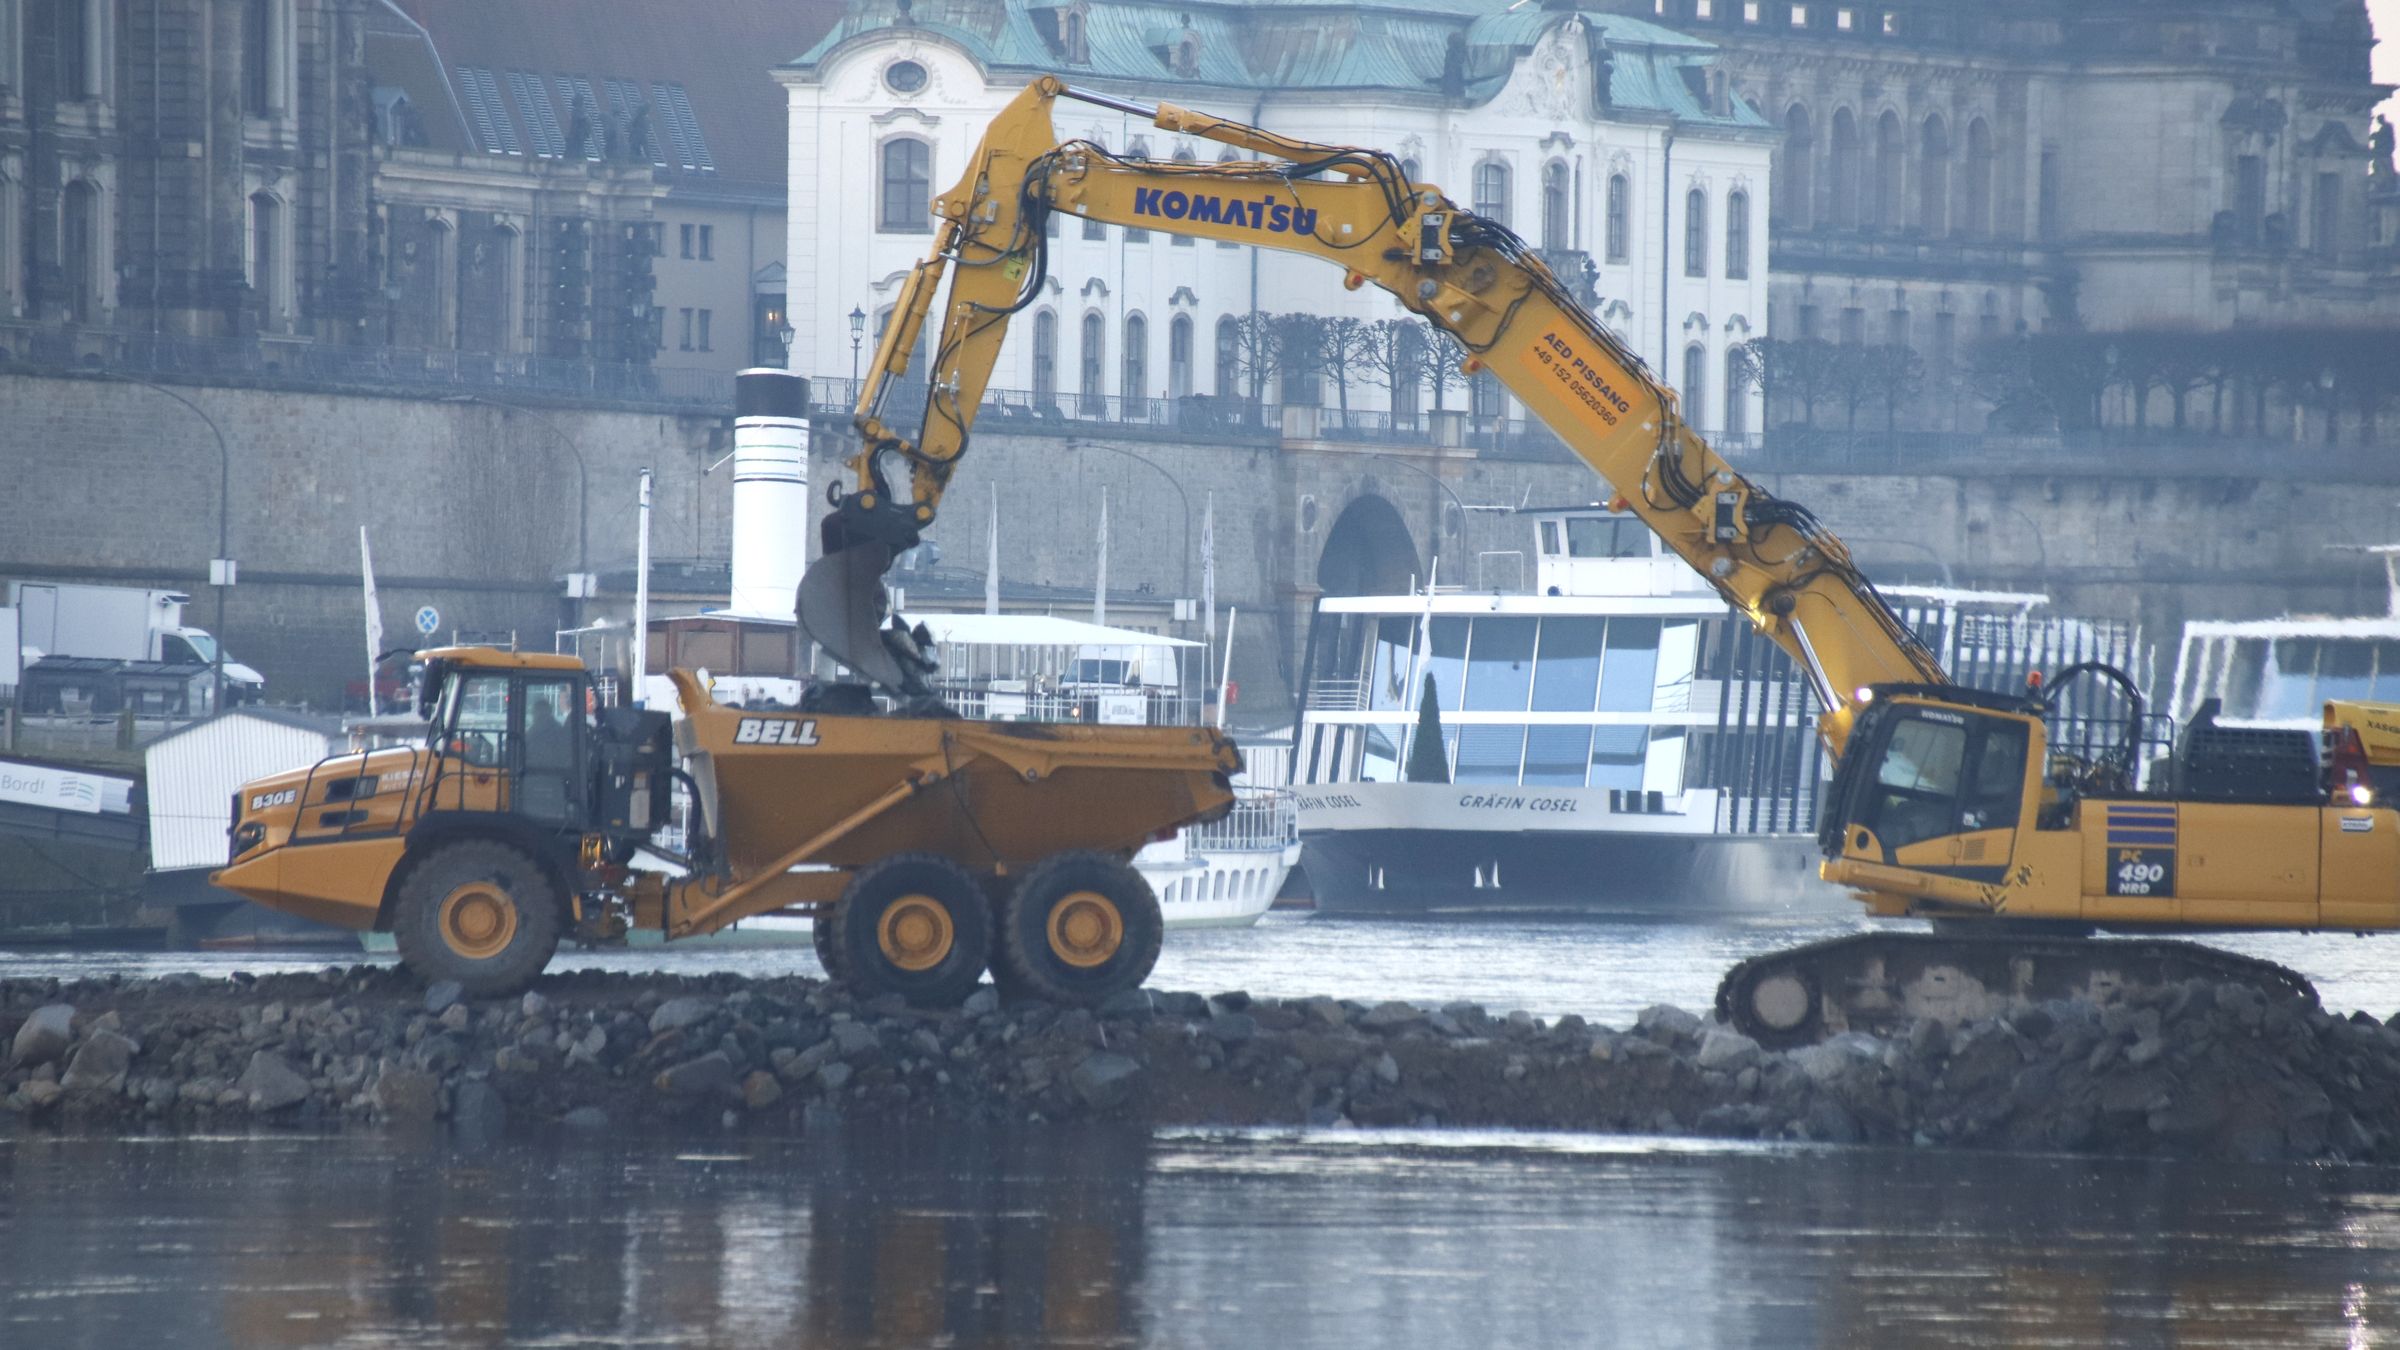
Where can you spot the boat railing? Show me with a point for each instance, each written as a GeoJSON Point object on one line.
{"type": "Point", "coordinates": [1263, 820]}
{"type": "Point", "coordinates": [1090, 704]}
{"type": "Point", "coordinates": [1338, 696]}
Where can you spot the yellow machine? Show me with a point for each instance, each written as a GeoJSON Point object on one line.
{"type": "Point", "coordinates": [928, 848]}
{"type": "Point", "coordinates": [1947, 802]}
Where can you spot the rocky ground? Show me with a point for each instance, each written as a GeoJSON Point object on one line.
{"type": "Point", "coordinates": [2207, 1070]}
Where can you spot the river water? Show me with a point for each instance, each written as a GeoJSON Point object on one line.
{"type": "Point", "coordinates": [850, 1236]}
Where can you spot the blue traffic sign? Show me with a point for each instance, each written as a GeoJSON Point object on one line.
{"type": "Point", "coordinates": [428, 619]}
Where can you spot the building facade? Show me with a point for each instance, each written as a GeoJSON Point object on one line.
{"type": "Point", "coordinates": [497, 193]}
{"type": "Point", "coordinates": [1611, 144]}
{"type": "Point", "coordinates": [1954, 170]}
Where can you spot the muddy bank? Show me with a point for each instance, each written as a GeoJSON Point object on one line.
{"type": "Point", "coordinates": [2202, 1069]}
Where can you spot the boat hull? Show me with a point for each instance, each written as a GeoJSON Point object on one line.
{"type": "Point", "coordinates": [1617, 874]}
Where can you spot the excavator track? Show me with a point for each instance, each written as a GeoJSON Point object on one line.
{"type": "Point", "coordinates": [1880, 982]}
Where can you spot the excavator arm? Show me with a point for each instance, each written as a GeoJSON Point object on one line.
{"type": "Point", "coordinates": [1464, 274]}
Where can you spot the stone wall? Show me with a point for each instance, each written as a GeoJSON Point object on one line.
{"type": "Point", "coordinates": [474, 509]}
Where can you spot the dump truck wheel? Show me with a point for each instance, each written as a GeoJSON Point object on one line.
{"type": "Point", "coordinates": [821, 929]}
{"type": "Point", "coordinates": [916, 925]}
{"type": "Point", "coordinates": [480, 913]}
{"type": "Point", "coordinates": [1078, 928]}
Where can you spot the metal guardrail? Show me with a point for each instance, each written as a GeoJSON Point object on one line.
{"type": "Point", "coordinates": [1263, 820]}
{"type": "Point", "coordinates": [312, 363]}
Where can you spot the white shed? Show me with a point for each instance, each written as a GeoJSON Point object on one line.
{"type": "Point", "coordinates": [194, 772]}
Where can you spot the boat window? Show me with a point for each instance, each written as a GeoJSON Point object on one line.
{"type": "Point", "coordinates": [2345, 671]}
{"type": "Point", "coordinates": [2288, 689]}
{"type": "Point", "coordinates": [1629, 675]}
{"type": "Point", "coordinates": [1449, 747]}
{"type": "Point", "coordinates": [2244, 673]}
{"type": "Point", "coordinates": [1557, 756]}
{"type": "Point", "coordinates": [1445, 660]}
{"type": "Point", "coordinates": [1568, 673]}
{"type": "Point", "coordinates": [1607, 537]}
{"type": "Point", "coordinates": [1380, 761]}
{"type": "Point", "coordinates": [1499, 665]}
{"type": "Point", "coordinates": [1489, 754]}
{"type": "Point", "coordinates": [1389, 662]}
{"type": "Point", "coordinates": [1550, 538]}
{"type": "Point", "coordinates": [1617, 756]}
{"type": "Point", "coordinates": [2387, 672]}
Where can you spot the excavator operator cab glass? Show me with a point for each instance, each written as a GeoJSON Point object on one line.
{"type": "Point", "coordinates": [1939, 772]}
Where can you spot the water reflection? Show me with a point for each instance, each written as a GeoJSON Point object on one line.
{"type": "Point", "coordinates": [859, 1237]}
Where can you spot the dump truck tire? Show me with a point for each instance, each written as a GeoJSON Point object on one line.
{"type": "Point", "coordinates": [480, 913]}
{"type": "Point", "coordinates": [1078, 928]}
{"type": "Point", "coordinates": [916, 925]}
{"type": "Point", "coordinates": [821, 929]}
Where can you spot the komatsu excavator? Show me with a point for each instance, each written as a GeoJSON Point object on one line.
{"type": "Point", "coordinates": [1949, 803]}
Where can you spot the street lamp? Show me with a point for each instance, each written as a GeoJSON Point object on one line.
{"type": "Point", "coordinates": [784, 334]}
{"type": "Point", "coordinates": [1182, 496]}
{"type": "Point", "coordinates": [858, 330]}
{"type": "Point", "coordinates": [220, 567]}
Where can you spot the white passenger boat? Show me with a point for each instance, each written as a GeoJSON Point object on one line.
{"type": "Point", "coordinates": [1616, 743]}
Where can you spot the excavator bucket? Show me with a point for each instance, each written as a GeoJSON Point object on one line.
{"type": "Point", "coordinates": [842, 607]}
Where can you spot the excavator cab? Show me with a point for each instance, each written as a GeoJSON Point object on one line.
{"type": "Point", "coordinates": [1938, 780]}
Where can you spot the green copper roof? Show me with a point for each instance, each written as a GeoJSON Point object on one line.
{"type": "Point", "coordinates": [1463, 50]}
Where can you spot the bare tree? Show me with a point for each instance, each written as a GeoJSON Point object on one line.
{"type": "Point", "coordinates": [1896, 373]}
{"type": "Point", "coordinates": [1802, 370]}
{"type": "Point", "coordinates": [1254, 356]}
{"type": "Point", "coordinates": [1445, 361]}
{"type": "Point", "coordinates": [1347, 351]}
{"type": "Point", "coordinates": [1392, 354]}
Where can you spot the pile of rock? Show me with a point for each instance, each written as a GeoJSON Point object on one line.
{"type": "Point", "coordinates": [2216, 1070]}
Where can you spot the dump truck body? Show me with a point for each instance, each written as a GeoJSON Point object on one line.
{"type": "Point", "coordinates": [523, 818]}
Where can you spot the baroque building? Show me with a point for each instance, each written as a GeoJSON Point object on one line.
{"type": "Point", "coordinates": [1610, 143]}
{"type": "Point", "coordinates": [1954, 170]}
{"type": "Point", "coordinates": [577, 190]}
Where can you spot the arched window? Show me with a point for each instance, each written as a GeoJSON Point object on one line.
{"type": "Point", "coordinates": [12, 262]}
{"type": "Point", "coordinates": [1620, 209]}
{"type": "Point", "coordinates": [81, 249]}
{"type": "Point", "coordinates": [907, 187]}
{"type": "Point", "coordinates": [1093, 385]}
{"type": "Point", "coordinates": [1977, 208]}
{"type": "Point", "coordinates": [1484, 398]}
{"type": "Point", "coordinates": [1409, 169]}
{"type": "Point", "coordinates": [1793, 200]}
{"type": "Point", "coordinates": [1842, 210]}
{"type": "Point", "coordinates": [1136, 389]}
{"type": "Point", "coordinates": [77, 39]}
{"type": "Point", "coordinates": [1179, 357]}
{"type": "Point", "coordinates": [1226, 156]}
{"type": "Point", "coordinates": [507, 289]}
{"type": "Point", "coordinates": [1229, 357]}
{"type": "Point", "coordinates": [438, 274]}
{"type": "Point", "coordinates": [1556, 231]}
{"type": "Point", "coordinates": [1183, 155]}
{"type": "Point", "coordinates": [1933, 179]}
{"type": "Point", "coordinates": [1891, 211]}
{"type": "Point", "coordinates": [1695, 233]}
{"type": "Point", "coordinates": [1695, 385]}
{"type": "Point", "coordinates": [1408, 372]}
{"type": "Point", "coordinates": [1093, 229]}
{"type": "Point", "coordinates": [1737, 393]}
{"type": "Point", "coordinates": [1737, 235]}
{"type": "Point", "coordinates": [1491, 191]}
{"type": "Point", "coordinates": [263, 267]}
{"type": "Point", "coordinates": [1137, 148]}
{"type": "Point", "coordinates": [1045, 359]}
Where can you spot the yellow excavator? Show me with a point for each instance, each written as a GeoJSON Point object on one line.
{"type": "Point", "coordinates": [1950, 803]}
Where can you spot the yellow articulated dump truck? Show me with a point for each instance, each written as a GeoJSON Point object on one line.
{"type": "Point", "coordinates": [928, 849]}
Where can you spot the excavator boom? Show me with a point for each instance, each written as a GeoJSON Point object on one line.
{"type": "Point", "coordinates": [1464, 274]}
